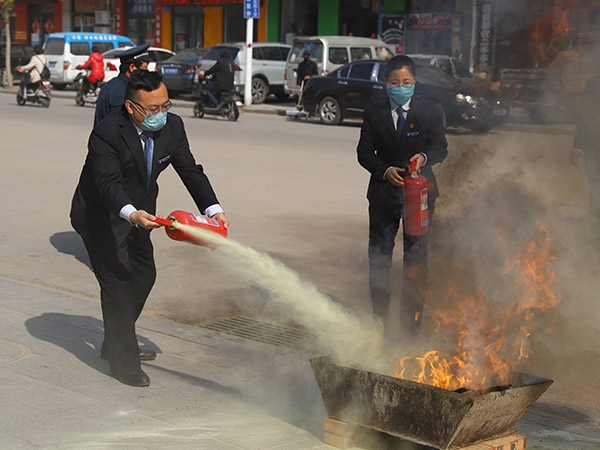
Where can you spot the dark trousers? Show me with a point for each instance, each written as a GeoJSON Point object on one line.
{"type": "Point", "coordinates": [126, 275]}
{"type": "Point", "coordinates": [212, 90]}
{"type": "Point", "coordinates": [384, 223]}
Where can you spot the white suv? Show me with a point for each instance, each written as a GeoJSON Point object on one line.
{"type": "Point", "coordinates": [268, 67]}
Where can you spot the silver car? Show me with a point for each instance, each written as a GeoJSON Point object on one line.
{"type": "Point", "coordinates": [268, 67]}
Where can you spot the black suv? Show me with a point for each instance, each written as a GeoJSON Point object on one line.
{"type": "Point", "coordinates": [345, 92]}
{"type": "Point", "coordinates": [20, 54]}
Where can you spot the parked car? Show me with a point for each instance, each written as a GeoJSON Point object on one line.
{"type": "Point", "coordinates": [179, 70]}
{"type": "Point", "coordinates": [330, 53]}
{"type": "Point", "coordinates": [20, 54]}
{"type": "Point", "coordinates": [345, 92]}
{"type": "Point", "coordinates": [453, 68]}
{"type": "Point", "coordinates": [112, 62]}
{"type": "Point", "coordinates": [268, 67]}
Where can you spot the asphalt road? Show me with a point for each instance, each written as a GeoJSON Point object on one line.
{"type": "Point", "coordinates": [293, 189]}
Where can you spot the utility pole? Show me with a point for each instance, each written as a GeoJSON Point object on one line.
{"type": "Point", "coordinates": [251, 12]}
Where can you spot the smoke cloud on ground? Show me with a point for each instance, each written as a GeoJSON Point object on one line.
{"type": "Point", "coordinates": [500, 196]}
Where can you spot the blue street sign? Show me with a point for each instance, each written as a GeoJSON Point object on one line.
{"type": "Point", "coordinates": [251, 9]}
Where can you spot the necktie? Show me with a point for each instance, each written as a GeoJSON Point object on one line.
{"type": "Point", "coordinates": [400, 122]}
{"type": "Point", "coordinates": [149, 152]}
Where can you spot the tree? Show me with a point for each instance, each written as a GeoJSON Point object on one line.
{"type": "Point", "coordinates": [7, 8]}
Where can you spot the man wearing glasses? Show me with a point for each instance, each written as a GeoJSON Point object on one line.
{"type": "Point", "coordinates": [114, 205]}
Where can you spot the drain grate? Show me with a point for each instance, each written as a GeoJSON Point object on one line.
{"type": "Point", "coordinates": [267, 333]}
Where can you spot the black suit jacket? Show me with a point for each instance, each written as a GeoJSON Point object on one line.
{"type": "Point", "coordinates": [114, 174]}
{"type": "Point", "coordinates": [379, 146]}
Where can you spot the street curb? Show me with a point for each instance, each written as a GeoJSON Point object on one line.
{"type": "Point", "coordinates": [259, 109]}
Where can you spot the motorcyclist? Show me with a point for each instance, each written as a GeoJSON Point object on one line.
{"type": "Point", "coordinates": [96, 63]}
{"type": "Point", "coordinates": [33, 69]}
{"type": "Point", "coordinates": [223, 71]}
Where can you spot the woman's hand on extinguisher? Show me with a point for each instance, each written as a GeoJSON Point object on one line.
{"type": "Point", "coordinates": [420, 160]}
{"type": "Point", "coordinates": [144, 219]}
{"type": "Point", "coordinates": [220, 217]}
{"type": "Point", "coordinates": [395, 175]}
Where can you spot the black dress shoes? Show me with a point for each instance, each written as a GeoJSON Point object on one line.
{"type": "Point", "coordinates": [138, 378]}
{"type": "Point", "coordinates": [145, 354]}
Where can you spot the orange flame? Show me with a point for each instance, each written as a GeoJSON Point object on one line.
{"type": "Point", "coordinates": [490, 338]}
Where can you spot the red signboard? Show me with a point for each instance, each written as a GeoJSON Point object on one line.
{"type": "Point", "coordinates": [201, 2]}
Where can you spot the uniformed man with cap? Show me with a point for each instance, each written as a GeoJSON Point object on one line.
{"type": "Point", "coordinates": [112, 94]}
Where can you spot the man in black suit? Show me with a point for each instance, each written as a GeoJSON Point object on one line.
{"type": "Point", "coordinates": [396, 130]}
{"type": "Point", "coordinates": [114, 205]}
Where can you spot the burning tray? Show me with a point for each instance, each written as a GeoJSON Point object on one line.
{"type": "Point", "coordinates": [421, 413]}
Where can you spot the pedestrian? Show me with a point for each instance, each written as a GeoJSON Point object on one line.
{"type": "Point", "coordinates": [114, 206]}
{"type": "Point", "coordinates": [33, 69]}
{"type": "Point", "coordinates": [397, 129]}
{"type": "Point", "coordinates": [587, 144]}
{"type": "Point", "coordinates": [223, 70]}
{"type": "Point", "coordinates": [306, 69]}
{"type": "Point", "coordinates": [96, 65]}
{"type": "Point", "coordinates": [112, 94]}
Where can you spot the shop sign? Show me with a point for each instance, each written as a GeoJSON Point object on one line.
{"type": "Point", "coordinates": [201, 2]}
{"type": "Point", "coordinates": [140, 8]}
{"type": "Point", "coordinates": [88, 6]}
{"type": "Point", "coordinates": [391, 30]}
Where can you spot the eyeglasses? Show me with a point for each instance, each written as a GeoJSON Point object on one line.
{"type": "Point", "coordinates": [149, 111]}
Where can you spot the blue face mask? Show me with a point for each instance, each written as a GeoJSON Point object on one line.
{"type": "Point", "coordinates": [154, 122]}
{"type": "Point", "coordinates": [401, 94]}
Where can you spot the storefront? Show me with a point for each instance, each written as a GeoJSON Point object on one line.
{"type": "Point", "coordinates": [433, 27]}
{"type": "Point", "coordinates": [183, 24]}
{"type": "Point", "coordinates": [34, 19]}
{"type": "Point", "coordinates": [140, 20]}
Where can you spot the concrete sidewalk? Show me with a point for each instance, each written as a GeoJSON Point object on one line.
{"type": "Point", "coordinates": [209, 390]}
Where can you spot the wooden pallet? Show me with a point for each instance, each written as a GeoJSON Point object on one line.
{"type": "Point", "coordinates": [344, 435]}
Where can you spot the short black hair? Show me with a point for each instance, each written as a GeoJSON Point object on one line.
{"type": "Point", "coordinates": [38, 49]}
{"type": "Point", "coordinates": [142, 80]}
{"type": "Point", "coordinates": [95, 48]}
{"type": "Point", "coordinates": [400, 62]}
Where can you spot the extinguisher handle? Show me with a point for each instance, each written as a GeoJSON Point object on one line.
{"type": "Point", "coordinates": [164, 221]}
{"type": "Point", "coordinates": [413, 166]}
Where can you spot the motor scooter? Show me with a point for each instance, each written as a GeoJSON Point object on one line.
{"type": "Point", "coordinates": [86, 92]}
{"type": "Point", "coordinates": [40, 94]}
{"type": "Point", "coordinates": [227, 102]}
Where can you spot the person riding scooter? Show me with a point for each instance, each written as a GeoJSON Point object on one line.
{"type": "Point", "coordinates": [33, 69]}
{"type": "Point", "coordinates": [96, 63]}
{"type": "Point", "coordinates": [223, 71]}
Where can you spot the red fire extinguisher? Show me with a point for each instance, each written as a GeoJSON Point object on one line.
{"type": "Point", "coordinates": [172, 221]}
{"type": "Point", "coordinates": [416, 211]}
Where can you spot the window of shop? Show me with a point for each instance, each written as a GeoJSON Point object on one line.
{"type": "Point", "coordinates": [299, 18]}
{"type": "Point", "coordinates": [140, 29]}
{"type": "Point", "coordinates": [358, 18]}
{"type": "Point", "coordinates": [188, 27]}
{"type": "Point", "coordinates": [433, 33]}
{"type": "Point", "coordinates": [234, 28]}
